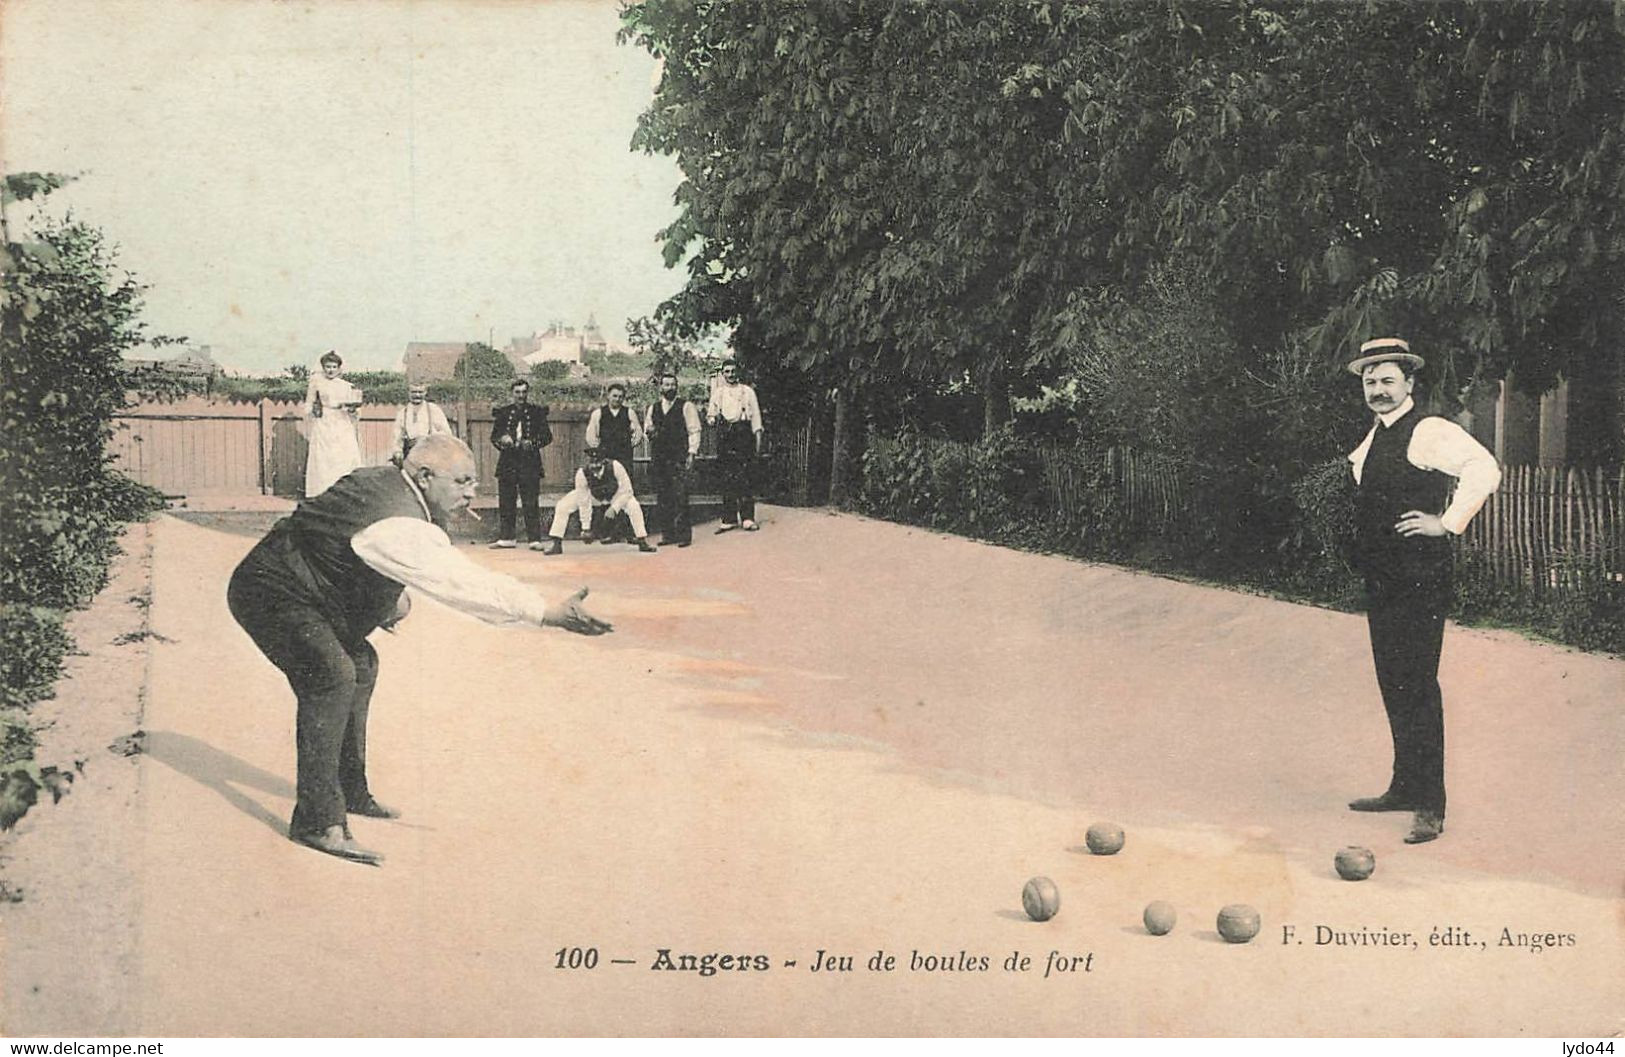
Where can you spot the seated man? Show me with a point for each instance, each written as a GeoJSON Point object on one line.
{"type": "Point", "coordinates": [600, 480]}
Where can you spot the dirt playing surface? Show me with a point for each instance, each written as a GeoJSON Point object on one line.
{"type": "Point", "coordinates": [848, 736]}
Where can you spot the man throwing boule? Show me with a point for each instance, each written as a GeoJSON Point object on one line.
{"type": "Point", "coordinates": [330, 573]}
{"type": "Point", "coordinates": [1404, 510]}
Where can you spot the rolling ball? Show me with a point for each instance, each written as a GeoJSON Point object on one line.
{"type": "Point", "coordinates": [1355, 864]}
{"type": "Point", "coordinates": [1160, 918]}
{"type": "Point", "coordinates": [1239, 923]}
{"type": "Point", "coordinates": [1041, 899]}
{"type": "Point", "coordinates": [1104, 838]}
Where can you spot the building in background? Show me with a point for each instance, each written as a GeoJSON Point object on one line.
{"type": "Point", "coordinates": [431, 361]}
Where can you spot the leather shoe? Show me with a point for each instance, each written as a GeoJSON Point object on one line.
{"type": "Point", "coordinates": [1426, 826]}
{"type": "Point", "coordinates": [555, 547]}
{"type": "Point", "coordinates": [373, 809]}
{"type": "Point", "coordinates": [1385, 802]}
{"type": "Point", "coordinates": [336, 840]}
{"type": "Point", "coordinates": [643, 545]}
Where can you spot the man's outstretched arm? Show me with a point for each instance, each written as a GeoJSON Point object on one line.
{"type": "Point", "coordinates": [421, 556]}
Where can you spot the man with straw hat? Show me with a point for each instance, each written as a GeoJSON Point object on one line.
{"type": "Point", "coordinates": [1404, 471]}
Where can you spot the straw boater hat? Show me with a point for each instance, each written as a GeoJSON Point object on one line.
{"type": "Point", "coordinates": [1385, 350]}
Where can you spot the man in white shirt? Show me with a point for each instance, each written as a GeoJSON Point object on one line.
{"type": "Point", "coordinates": [599, 480]}
{"type": "Point", "coordinates": [332, 572]}
{"type": "Point", "coordinates": [1404, 471]}
{"type": "Point", "coordinates": [418, 419]}
{"type": "Point", "coordinates": [733, 410]}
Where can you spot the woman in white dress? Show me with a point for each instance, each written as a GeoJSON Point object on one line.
{"type": "Point", "coordinates": [330, 409]}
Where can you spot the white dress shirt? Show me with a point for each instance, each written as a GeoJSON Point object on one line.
{"type": "Point", "coordinates": [735, 403]}
{"type": "Point", "coordinates": [1439, 444]}
{"type": "Point", "coordinates": [420, 555]}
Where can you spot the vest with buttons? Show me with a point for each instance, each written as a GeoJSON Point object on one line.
{"type": "Point", "coordinates": [669, 443]}
{"type": "Point", "coordinates": [602, 485]}
{"type": "Point", "coordinates": [1389, 486]}
{"type": "Point", "coordinates": [615, 434]}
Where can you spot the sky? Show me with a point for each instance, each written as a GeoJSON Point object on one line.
{"type": "Point", "coordinates": [293, 177]}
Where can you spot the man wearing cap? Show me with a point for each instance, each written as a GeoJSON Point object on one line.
{"type": "Point", "coordinates": [1404, 511]}
{"type": "Point", "coordinates": [331, 573]}
{"type": "Point", "coordinates": [418, 419]}
{"type": "Point", "coordinates": [599, 480]}
{"type": "Point", "coordinates": [519, 432]}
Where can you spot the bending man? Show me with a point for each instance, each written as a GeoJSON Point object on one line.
{"type": "Point", "coordinates": [599, 480]}
{"type": "Point", "coordinates": [330, 573]}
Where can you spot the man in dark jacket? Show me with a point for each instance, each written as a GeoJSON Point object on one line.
{"type": "Point", "coordinates": [330, 573]}
{"type": "Point", "coordinates": [519, 433]}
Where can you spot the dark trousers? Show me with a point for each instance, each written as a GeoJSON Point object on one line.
{"type": "Point", "coordinates": [1407, 634]}
{"type": "Point", "coordinates": [523, 488]}
{"type": "Point", "coordinates": [333, 684]}
{"type": "Point", "coordinates": [671, 498]}
{"type": "Point", "coordinates": [736, 463]}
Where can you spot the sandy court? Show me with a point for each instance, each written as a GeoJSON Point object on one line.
{"type": "Point", "coordinates": [842, 735]}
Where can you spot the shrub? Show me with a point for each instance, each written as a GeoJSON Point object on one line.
{"type": "Point", "coordinates": [33, 642]}
{"type": "Point", "coordinates": [69, 315]}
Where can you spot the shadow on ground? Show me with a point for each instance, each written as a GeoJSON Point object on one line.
{"type": "Point", "coordinates": [221, 772]}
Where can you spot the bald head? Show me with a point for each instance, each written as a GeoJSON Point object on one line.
{"type": "Point", "coordinates": [438, 451]}
{"type": "Point", "coordinates": [443, 468]}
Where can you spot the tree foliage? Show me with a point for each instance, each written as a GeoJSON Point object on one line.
{"type": "Point", "coordinates": [481, 361]}
{"type": "Point", "coordinates": [668, 344]}
{"type": "Point", "coordinates": [68, 315]}
{"type": "Point", "coordinates": [889, 190]}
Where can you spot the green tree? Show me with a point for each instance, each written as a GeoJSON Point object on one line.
{"type": "Point", "coordinates": [480, 361]}
{"type": "Point", "coordinates": [887, 192]}
{"type": "Point", "coordinates": [549, 370]}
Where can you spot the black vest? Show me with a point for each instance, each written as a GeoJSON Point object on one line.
{"type": "Point", "coordinates": [1389, 486]}
{"type": "Point", "coordinates": [669, 443]}
{"type": "Point", "coordinates": [603, 486]}
{"type": "Point", "coordinates": [307, 558]}
{"type": "Point", "coordinates": [615, 434]}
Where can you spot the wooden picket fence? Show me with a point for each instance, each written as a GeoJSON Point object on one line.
{"type": "Point", "coordinates": [196, 447]}
{"type": "Point", "coordinates": [1551, 530]}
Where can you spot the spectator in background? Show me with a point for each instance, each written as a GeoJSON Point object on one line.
{"type": "Point", "coordinates": [733, 409]}
{"type": "Point", "coordinates": [599, 480]}
{"type": "Point", "coordinates": [613, 429]}
{"type": "Point", "coordinates": [330, 409]}
{"type": "Point", "coordinates": [519, 432]}
{"type": "Point", "coordinates": [673, 428]}
{"type": "Point", "coordinates": [418, 419]}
